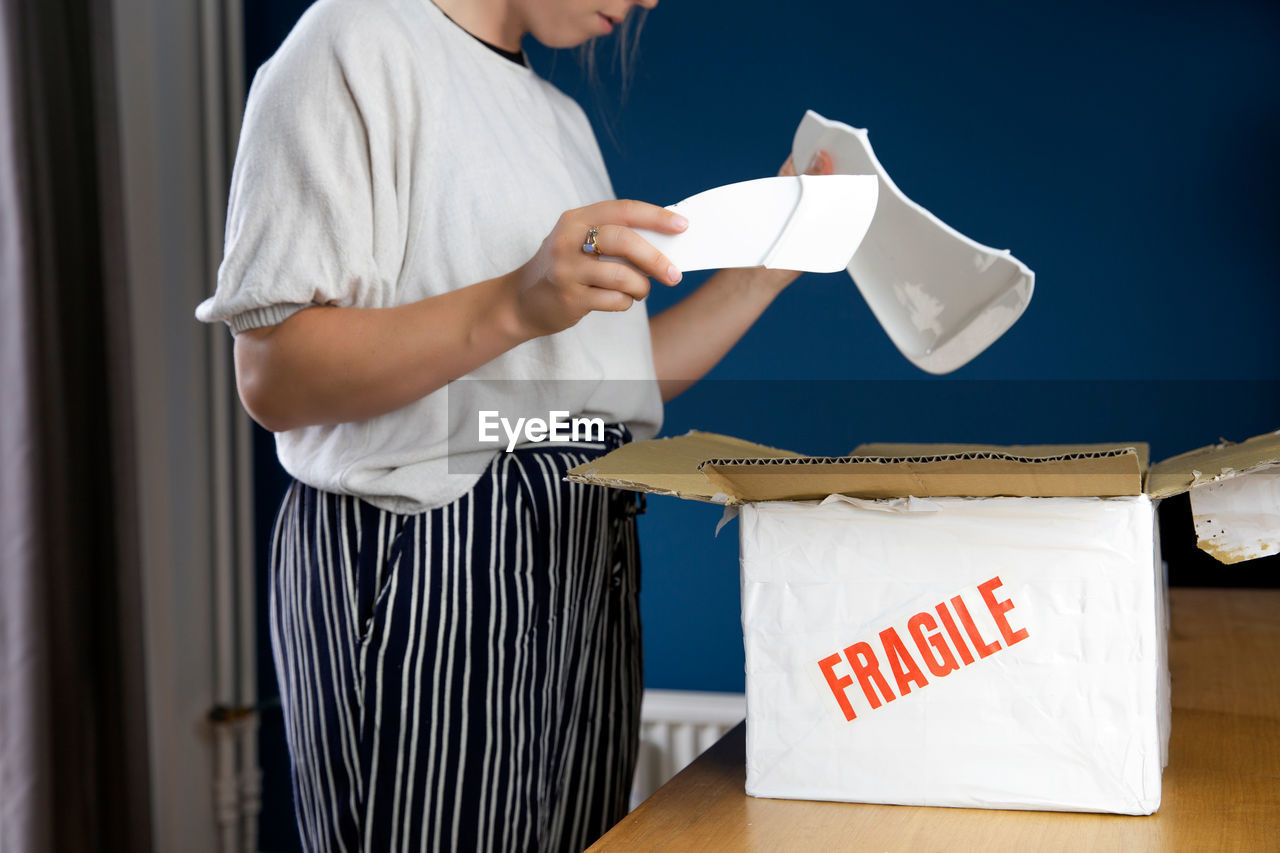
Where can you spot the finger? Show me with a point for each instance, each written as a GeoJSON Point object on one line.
{"type": "Point", "coordinates": [601, 299]}
{"type": "Point", "coordinates": [820, 164]}
{"type": "Point", "coordinates": [633, 214]}
{"type": "Point", "coordinates": [616, 274]}
{"type": "Point", "coordinates": [788, 168]}
{"type": "Point", "coordinates": [624, 243]}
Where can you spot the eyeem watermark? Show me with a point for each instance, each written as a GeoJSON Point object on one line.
{"type": "Point", "coordinates": [557, 427]}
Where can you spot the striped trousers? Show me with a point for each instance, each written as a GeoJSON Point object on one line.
{"type": "Point", "coordinates": [468, 678]}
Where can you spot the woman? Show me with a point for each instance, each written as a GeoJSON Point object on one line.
{"type": "Point", "coordinates": [455, 630]}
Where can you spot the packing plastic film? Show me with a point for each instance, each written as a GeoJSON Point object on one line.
{"type": "Point", "coordinates": [1238, 519]}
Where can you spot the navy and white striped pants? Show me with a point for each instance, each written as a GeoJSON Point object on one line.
{"type": "Point", "coordinates": [468, 678]}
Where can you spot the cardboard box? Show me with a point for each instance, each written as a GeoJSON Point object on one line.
{"type": "Point", "coordinates": [951, 625]}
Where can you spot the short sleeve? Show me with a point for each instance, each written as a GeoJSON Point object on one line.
{"type": "Point", "coordinates": [300, 215]}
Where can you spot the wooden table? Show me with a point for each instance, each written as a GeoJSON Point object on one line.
{"type": "Point", "coordinates": [1221, 788]}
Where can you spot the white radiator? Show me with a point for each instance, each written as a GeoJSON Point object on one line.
{"type": "Point", "coordinates": [676, 726]}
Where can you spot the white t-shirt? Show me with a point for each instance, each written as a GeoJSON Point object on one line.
{"type": "Point", "coordinates": [388, 156]}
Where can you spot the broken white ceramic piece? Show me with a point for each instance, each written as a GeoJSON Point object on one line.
{"type": "Point", "coordinates": [941, 297]}
{"type": "Point", "coordinates": [812, 223]}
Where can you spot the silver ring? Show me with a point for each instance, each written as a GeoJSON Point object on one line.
{"type": "Point", "coordinates": [590, 246]}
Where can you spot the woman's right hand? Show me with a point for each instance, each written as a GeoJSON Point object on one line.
{"type": "Point", "coordinates": [562, 283]}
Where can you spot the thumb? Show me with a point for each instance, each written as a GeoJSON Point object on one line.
{"type": "Point", "coordinates": [820, 164]}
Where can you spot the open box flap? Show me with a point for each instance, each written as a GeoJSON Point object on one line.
{"type": "Point", "coordinates": [1212, 464]}
{"type": "Point", "coordinates": [988, 472]}
{"type": "Point", "coordinates": [669, 466]}
{"type": "Point", "coordinates": [721, 469]}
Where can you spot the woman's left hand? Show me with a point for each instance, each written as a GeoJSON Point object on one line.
{"type": "Point", "coordinates": [819, 165]}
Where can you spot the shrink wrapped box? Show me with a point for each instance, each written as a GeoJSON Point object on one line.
{"type": "Point", "coordinates": [998, 652]}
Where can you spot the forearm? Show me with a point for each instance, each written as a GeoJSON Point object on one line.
{"type": "Point", "coordinates": [326, 365]}
{"type": "Point", "coordinates": [692, 336]}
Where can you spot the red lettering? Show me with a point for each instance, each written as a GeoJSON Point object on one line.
{"type": "Point", "coordinates": [931, 641]}
{"type": "Point", "coordinates": [867, 669]}
{"type": "Point", "coordinates": [954, 632]}
{"type": "Point", "coordinates": [944, 662]}
{"type": "Point", "coordinates": [982, 648]}
{"type": "Point", "coordinates": [998, 610]}
{"type": "Point", "coordinates": [837, 685]}
{"type": "Point", "coordinates": [901, 664]}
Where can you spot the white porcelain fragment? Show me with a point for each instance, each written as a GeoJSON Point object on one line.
{"type": "Point", "coordinates": [811, 223]}
{"type": "Point", "coordinates": [941, 297]}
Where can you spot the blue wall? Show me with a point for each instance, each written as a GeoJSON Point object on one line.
{"type": "Point", "coordinates": [1125, 151]}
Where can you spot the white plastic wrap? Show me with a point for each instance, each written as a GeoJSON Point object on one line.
{"type": "Point", "coordinates": [1069, 708]}
{"type": "Point", "coordinates": [1238, 518]}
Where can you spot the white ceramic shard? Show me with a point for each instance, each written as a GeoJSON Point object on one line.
{"type": "Point", "coordinates": [941, 297]}
{"type": "Point", "coordinates": [812, 223]}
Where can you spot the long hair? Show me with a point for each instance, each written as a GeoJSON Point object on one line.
{"type": "Point", "coordinates": [626, 40]}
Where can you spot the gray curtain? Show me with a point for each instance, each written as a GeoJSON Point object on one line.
{"type": "Point", "coordinates": [24, 739]}
{"type": "Point", "coordinates": [73, 743]}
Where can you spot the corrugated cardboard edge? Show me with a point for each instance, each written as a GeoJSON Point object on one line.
{"type": "Point", "coordinates": [669, 466]}
{"type": "Point", "coordinates": [1027, 451]}
{"type": "Point", "coordinates": [1059, 471]}
{"type": "Point", "coordinates": [1212, 464]}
